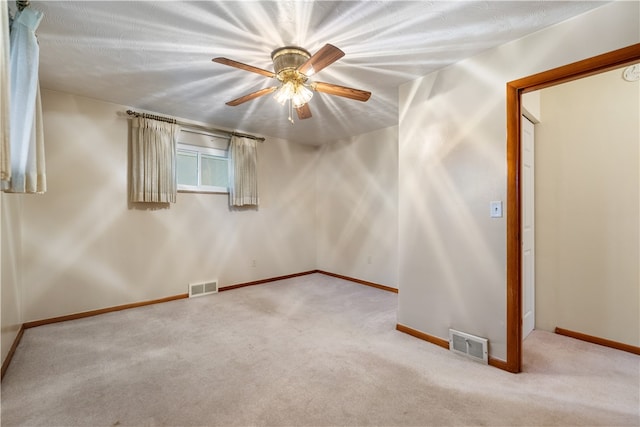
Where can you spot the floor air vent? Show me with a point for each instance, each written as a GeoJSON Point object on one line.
{"type": "Point", "coordinates": [474, 347]}
{"type": "Point", "coordinates": [200, 289]}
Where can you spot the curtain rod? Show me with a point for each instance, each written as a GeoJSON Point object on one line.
{"type": "Point", "coordinates": [188, 125]}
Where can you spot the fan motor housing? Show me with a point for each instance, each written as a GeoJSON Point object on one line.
{"type": "Point", "coordinates": [289, 58]}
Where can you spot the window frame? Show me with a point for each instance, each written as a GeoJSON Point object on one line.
{"type": "Point", "coordinates": [200, 151]}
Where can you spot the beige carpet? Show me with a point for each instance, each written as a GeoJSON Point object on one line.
{"type": "Point", "coordinates": [308, 351]}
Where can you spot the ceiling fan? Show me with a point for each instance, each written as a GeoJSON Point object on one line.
{"type": "Point", "coordinates": [293, 66]}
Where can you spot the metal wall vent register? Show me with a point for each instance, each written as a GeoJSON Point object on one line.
{"type": "Point", "coordinates": [201, 289]}
{"type": "Point", "coordinates": [474, 347]}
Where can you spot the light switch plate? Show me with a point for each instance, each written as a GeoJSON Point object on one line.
{"type": "Point", "coordinates": [496, 209]}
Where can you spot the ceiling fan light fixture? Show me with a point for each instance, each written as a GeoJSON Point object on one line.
{"type": "Point", "coordinates": [289, 58]}
{"type": "Point", "coordinates": [297, 92]}
{"type": "Point", "coordinates": [284, 93]}
{"type": "Point", "coordinates": [301, 96]}
{"type": "Point", "coordinates": [286, 61]}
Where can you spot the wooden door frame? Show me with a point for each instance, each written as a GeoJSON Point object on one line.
{"type": "Point", "coordinates": [566, 73]}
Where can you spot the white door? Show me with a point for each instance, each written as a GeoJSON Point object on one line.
{"type": "Point", "coordinates": [528, 223]}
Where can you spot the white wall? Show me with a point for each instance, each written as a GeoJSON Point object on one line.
{"type": "Point", "coordinates": [452, 163]}
{"type": "Point", "coordinates": [84, 248]}
{"type": "Point", "coordinates": [357, 187]}
{"type": "Point", "coordinates": [588, 208]}
{"type": "Point", "coordinates": [11, 271]}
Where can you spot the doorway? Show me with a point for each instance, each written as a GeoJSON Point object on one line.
{"type": "Point", "coordinates": [515, 90]}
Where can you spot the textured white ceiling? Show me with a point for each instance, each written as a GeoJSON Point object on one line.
{"type": "Point", "coordinates": [156, 55]}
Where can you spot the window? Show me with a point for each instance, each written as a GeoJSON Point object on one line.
{"type": "Point", "coordinates": [202, 162]}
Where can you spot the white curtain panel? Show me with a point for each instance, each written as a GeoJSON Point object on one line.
{"type": "Point", "coordinates": [5, 151]}
{"type": "Point", "coordinates": [26, 136]}
{"type": "Point", "coordinates": [153, 161]}
{"type": "Point", "coordinates": [243, 182]}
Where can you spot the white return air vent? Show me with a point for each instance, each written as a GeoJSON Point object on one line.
{"type": "Point", "coordinates": [471, 346]}
{"type": "Point", "coordinates": [200, 289]}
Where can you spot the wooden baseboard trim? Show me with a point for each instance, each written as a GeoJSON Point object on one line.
{"type": "Point", "coordinates": [496, 363]}
{"type": "Point", "coordinates": [423, 336]}
{"type": "Point", "coordinates": [600, 341]}
{"type": "Point", "coordinates": [12, 350]}
{"type": "Point", "coordinates": [263, 281]}
{"type": "Point", "coordinates": [81, 315]}
{"type": "Point", "coordinates": [362, 282]}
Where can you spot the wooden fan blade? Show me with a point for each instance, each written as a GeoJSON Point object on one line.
{"type": "Point", "coordinates": [236, 64]}
{"type": "Point", "coordinates": [321, 59]}
{"type": "Point", "coordinates": [251, 96]}
{"type": "Point", "coordinates": [347, 92]}
{"type": "Point", "coordinates": [304, 112]}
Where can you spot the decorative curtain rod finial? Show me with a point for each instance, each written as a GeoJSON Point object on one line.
{"type": "Point", "coordinates": [22, 4]}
